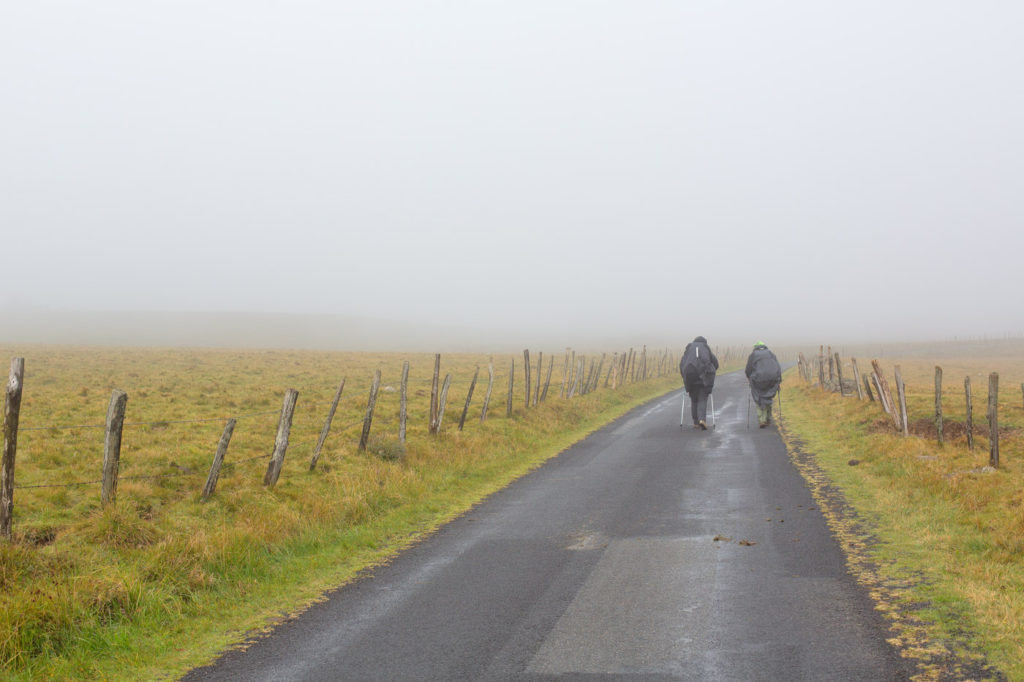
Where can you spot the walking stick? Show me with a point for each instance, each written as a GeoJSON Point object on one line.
{"type": "Point", "coordinates": [714, 422]}
{"type": "Point", "coordinates": [682, 413]}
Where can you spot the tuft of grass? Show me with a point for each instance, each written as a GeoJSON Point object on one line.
{"type": "Point", "coordinates": [387, 449]}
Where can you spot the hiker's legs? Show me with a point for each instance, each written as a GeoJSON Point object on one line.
{"type": "Point", "coordinates": [700, 404]}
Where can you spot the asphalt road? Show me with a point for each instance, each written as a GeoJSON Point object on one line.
{"type": "Point", "coordinates": [604, 564]}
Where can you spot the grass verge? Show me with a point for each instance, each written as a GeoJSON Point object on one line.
{"type": "Point", "coordinates": [935, 536]}
{"type": "Point", "coordinates": [160, 582]}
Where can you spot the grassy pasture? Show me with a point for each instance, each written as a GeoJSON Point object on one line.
{"type": "Point", "coordinates": [159, 581]}
{"type": "Point", "coordinates": [948, 564]}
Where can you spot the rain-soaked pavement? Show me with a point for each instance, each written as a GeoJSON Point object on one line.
{"type": "Point", "coordinates": [646, 552]}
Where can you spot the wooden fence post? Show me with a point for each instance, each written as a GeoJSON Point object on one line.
{"type": "Point", "coordinates": [112, 445]}
{"type": "Point", "coordinates": [856, 379]}
{"type": "Point", "coordinates": [490, 385]}
{"type": "Point", "coordinates": [526, 372]}
{"type": "Point", "coordinates": [218, 460]}
{"type": "Point", "coordinates": [371, 404]}
{"type": "Point", "coordinates": [444, 400]}
{"type": "Point", "coordinates": [867, 388]}
{"type": "Point", "coordinates": [12, 413]}
{"type": "Point", "coordinates": [327, 427]}
{"type": "Point", "coordinates": [540, 370]}
{"type": "Point", "coordinates": [611, 369]}
{"type": "Point", "coordinates": [585, 386]}
{"type": "Point", "coordinates": [839, 374]}
{"type": "Point", "coordinates": [832, 369]}
{"type": "Point", "coordinates": [511, 384]}
{"type": "Point", "coordinates": [883, 388]}
{"type": "Point", "coordinates": [597, 374]}
{"type": "Point", "coordinates": [284, 428]}
{"type": "Point", "coordinates": [469, 397]}
{"type": "Point", "coordinates": [547, 380]}
{"type": "Point", "coordinates": [886, 407]}
{"type": "Point", "coordinates": [821, 372]}
{"type": "Point", "coordinates": [901, 389]}
{"type": "Point", "coordinates": [938, 404]}
{"type": "Point", "coordinates": [969, 422]}
{"type": "Point", "coordinates": [565, 374]}
{"type": "Point", "coordinates": [432, 418]}
{"type": "Point", "coordinates": [577, 371]}
{"type": "Point", "coordinates": [403, 407]}
{"type": "Point", "coordinates": [993, 420]}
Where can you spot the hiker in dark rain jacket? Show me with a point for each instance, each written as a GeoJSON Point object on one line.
{"type": "Point", "coordinates": [764, 374]}
{"type": "Point", "coordinates": [698, 366]}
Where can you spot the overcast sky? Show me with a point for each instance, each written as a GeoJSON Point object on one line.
{"type": "Point", "coordinates": [789, 170]}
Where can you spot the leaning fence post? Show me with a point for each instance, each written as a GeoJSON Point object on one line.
{"type": "Point", "coordinates": [12, 412]}
{"type": "Point", "coordinates": [218, 460]}
{"type": "Point", "coordinates": [444, 400]}
{"type": "Point", "coordinates": [547, 380]}
{"type": "Point", "coordinates": [370, 405]}
{"type": "Point", "coordinates": [284, 427]}
{"type": "Point", "coordinates": [490, 385]}
{"type": "Point", "coordinates": [327, 427]}
{"type": "Point", "coordinates": [902, 390]}
{"type": "Point", "coordinates": [993, 420]}
{"type": "Point", "coordinates": [969, 422]}
{"type": "Point", "coordinates": [867, 388]}
{"type": "Point", "coordinates": [839, 374]}
{"type": "Point", "coordinates": [856, 379]}
{"type": "Point", "coordinates": [469, 396]}
{"type": "Point", "coordinates": [938, 403]}
{"type": "Point", "coordinates": [112, 445]}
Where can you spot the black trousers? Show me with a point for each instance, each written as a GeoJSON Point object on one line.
{"type": "Point", "coordinates": [699, 402]}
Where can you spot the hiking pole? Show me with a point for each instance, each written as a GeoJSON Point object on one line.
{"type": "Point", "coordinates": [714, 422]}
{"type": "Point", "coordinates": [682, 413]}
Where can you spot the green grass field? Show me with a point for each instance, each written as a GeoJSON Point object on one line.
{"type": "Point", "coordinates": [937, 537]}
{"type": "Point", "coordinates": [159, 581]}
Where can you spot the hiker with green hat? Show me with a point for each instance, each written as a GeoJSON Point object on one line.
{"type": "Point", "coordinates": [764, 374]}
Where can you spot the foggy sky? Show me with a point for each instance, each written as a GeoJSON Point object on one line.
{"type": "Point", "coordinates": [778, 171]}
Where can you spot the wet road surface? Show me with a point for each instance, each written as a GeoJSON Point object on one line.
{"type": "Point", "coordinates": [646, 552]}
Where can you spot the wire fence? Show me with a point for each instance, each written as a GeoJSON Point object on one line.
{"type": "Point", "coordinates": [581, 374]}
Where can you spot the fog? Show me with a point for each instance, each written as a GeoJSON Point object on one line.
{"type": "Point", "coordinates": [494, 172]}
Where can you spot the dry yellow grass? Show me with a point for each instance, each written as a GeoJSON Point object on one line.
{"type": "Point", "coordinates": [938, 512]}
{"type": "Point", "coordinates": [159, 581]}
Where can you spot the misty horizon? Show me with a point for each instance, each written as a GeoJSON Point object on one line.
{"type": "Point", "coordinates": [531, 173]}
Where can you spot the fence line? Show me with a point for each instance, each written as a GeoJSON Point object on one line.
{"type": "Point", "coordinates": [897, 408]}
{"type": "Point", "coordinates": [580, 376]}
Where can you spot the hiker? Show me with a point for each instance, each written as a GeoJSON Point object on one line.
{"type": "Point", "coordinates": [698, 367]}
{"type": "Point", "coordinates": [764, 374]}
